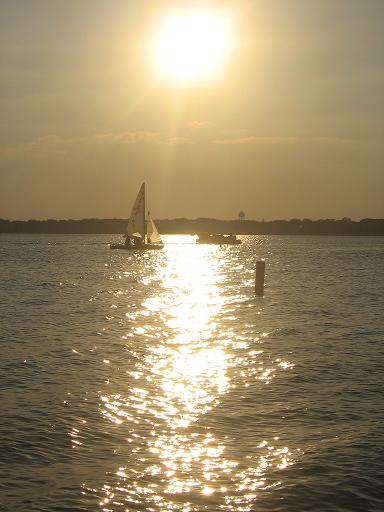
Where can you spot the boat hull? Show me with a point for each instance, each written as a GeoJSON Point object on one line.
{"type": "Point", "coordinates": [144, 247]}
{"type": "Point", "coordinates": [217, 239]}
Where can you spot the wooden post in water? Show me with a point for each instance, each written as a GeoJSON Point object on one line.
{"type": "Point", "coordinates": [259, 280]}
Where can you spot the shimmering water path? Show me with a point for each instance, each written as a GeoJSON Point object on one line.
{"type": "Point", "coordinates": [157, 381]}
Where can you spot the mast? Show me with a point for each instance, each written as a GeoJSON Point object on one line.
{"type": "Point", "coordinates": [143, 212]}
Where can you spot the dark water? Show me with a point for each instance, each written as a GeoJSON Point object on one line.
{"type": "Point", "coordinates": [157, 381]}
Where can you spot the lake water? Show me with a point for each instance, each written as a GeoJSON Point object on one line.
{"type": "Point", "coordinates": [157, 381]}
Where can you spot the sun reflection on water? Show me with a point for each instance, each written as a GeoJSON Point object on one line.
{"type": "Point", "coordinates": [186, 357]}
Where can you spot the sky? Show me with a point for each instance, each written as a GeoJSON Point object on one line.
{"type": "Point", "coordinates": [292, 126]}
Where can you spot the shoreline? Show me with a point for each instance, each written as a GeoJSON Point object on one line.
{"type": "Point", "coordinates": [294, 227]}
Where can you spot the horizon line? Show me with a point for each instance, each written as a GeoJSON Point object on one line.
{"type": "Point", "coordinates": [293, 219]}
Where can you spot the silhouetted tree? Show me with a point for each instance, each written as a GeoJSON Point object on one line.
{"type": "Point", "coordinates": [241, 215]}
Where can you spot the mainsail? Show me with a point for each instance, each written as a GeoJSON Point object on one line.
{"type": "Point", "coordinates": [153, 235]}
{"type": "Point", "coordinates": [136, 222]}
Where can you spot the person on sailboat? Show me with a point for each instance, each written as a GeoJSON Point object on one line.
{"type": "Point", "coordinates": [137, 240]}
{"type": "Point", "coordinates": [128, 241]}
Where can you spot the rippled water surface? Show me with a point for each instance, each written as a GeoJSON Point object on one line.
{"type": "Point", "coordinates": [158, 381]}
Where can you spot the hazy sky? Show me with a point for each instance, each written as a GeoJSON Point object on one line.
{"type": "Point", "coordinates": [292, 127]}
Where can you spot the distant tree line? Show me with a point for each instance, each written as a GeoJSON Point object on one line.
{"type": "Point", "coordinates": [343, 226]}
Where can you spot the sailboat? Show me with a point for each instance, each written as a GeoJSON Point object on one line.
{"type": "Point", "coordinates": [142, 233]}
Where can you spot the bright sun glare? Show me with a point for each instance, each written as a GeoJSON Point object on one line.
{"type": "Point", "coordinates": [192, 45]}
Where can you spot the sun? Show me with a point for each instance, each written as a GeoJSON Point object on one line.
{"type": "Point", "coordinates": [192, 45]}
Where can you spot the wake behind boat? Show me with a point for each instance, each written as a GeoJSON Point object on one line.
{"type": "Point", "coordinates": [142, 233]}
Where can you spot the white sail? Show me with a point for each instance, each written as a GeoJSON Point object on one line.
{"type": "Point", "coordinates": [136, 222]}
{"type": "Point", "coordinates": [141, 234]}
{"type": "Point", "coordinates": [153, 235]}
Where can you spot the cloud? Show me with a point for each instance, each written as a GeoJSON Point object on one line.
{"type": "Point", "coordinates": [40, 148]}
{"type": "Point", "coordinates": [173, 141]}
{"type": "Point", "coordinates": [308, 141]}
{"type": "Point", "coordinates": [128, 137]}
{"type": "Point", "coordinates": [199, 124]}
{"type": "Point", "coordinates": [255, 140]}
{"type": "Point", "coordinates": [53, 146]}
